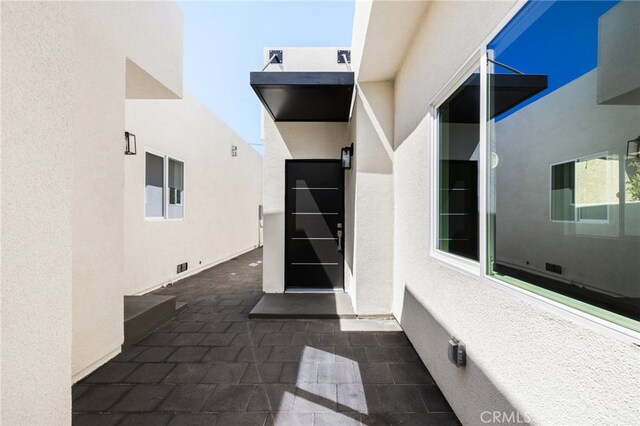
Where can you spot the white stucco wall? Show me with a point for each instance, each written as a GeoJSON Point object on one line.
{"type": "Point", "coordinates": [222, 193]}
{"type": "Point", "coordinates": [618, 59]}
{"type": "Point", "coordinates": [372, 173]}
{"type": "Point", "coordinates": [523, 354]}
{"type": "Point", "coordinates": [64, 69]}
{"type": "Point", "coordinates": [36, 214]}
{"type": "Point", "coordinates": [377, 55]}
{"type": "Point", "coordinates": [122, 34]}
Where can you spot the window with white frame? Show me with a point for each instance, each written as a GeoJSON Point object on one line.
{"type": "Point", "coordinates": [176, 189]}
{"type": "Point", "coordinates": [553, 181]}
{"type": "Point", "coordinates": [458, 155]}
{"type": "Point", "coordinates": [561, 210]}
{"type": "Point", "coordinates": [164, 187]}
{"type": "Point", "coordinates": [154, 186]}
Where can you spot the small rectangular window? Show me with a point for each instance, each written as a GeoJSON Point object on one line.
{"type": "Point", "coordinates": [176, 189]}
{"type": "Point", "coordinates": [164, 187]}
{"type": "Point", "coordinates": [154, 186]}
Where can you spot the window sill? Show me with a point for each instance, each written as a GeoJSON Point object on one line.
{"type": "Point", "coordinates": [470, 267]}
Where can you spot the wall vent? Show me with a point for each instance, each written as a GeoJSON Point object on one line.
{"type": "Point", "coordinates": [551, 267]}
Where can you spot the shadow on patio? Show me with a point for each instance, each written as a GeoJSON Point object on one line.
{"type": "Point", "coordinates": [214, 365]}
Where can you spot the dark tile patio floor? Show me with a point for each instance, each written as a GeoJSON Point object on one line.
{"type": "Point", "coordinates": [212, 365]}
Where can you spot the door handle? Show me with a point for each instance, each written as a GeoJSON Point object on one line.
{"type": "Point", "coordinates": [340, 237]}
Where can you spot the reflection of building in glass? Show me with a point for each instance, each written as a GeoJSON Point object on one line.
{"type": "Point", "coordinates": [565, 217]}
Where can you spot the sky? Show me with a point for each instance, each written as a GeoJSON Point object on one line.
{"type": "Point", "coordinates": [224, 41]}
{"type": "Point", "coordinates": [557, 39]}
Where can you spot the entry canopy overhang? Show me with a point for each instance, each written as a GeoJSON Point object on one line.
{"type": "Point", "coordinates": [305, 96]}
{"type": "Point", "coordinates": [507, 90]}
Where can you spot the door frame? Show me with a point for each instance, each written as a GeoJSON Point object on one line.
{"type": "Point", "coordinates": [284, 236]}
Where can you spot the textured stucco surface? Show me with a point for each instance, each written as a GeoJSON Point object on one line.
{"type": "Point", "coordinates": [372, 261]}
{"type": "Point", "coordinates": [378, 54]}
{"type": "Point", "coordinates": [63, 67]}
{"type": "Point", "coordinates": [222, 193]}
{"type": "Point", "coordinates": [109, 35]}
{"type": "Point", "coordinates": [36, 213]}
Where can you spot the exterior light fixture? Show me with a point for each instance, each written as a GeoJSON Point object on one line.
{"type": "Point", "coordinates": [234, 151]}
{"type": "Point", "coordinates": [633, 148]}
{"type": "Point", "coordinates": [346, 154]}
{"type": "Point", "coordinates": [129, 143]}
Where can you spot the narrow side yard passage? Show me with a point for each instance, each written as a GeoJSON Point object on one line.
{"type": "Point", "coordinates": [212, 365]}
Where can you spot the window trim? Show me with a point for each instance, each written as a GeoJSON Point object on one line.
{"type": "Point", "coordinates": [165, 190]}
{"type": "Point", "coordinates": [469, 266]}
{"type": "Point", "coordinates": [599, 320]}
{"type": "Point", "coordinates": [183, 204]}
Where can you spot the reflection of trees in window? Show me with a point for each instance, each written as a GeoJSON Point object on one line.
{"type": "Point", "coordinates": [633, 180]}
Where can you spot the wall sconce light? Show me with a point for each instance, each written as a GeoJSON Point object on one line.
{"type": "Point", "coordinates": [346, 154]}
{"type": "Point", "coordinates": [633, 148]}
{"type": "Point", "coordinates": [234, 151]}
{"type": "Point", "coordinates": [129, 143]}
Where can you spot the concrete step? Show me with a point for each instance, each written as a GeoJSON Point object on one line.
{"type": "Point", "coordinates": [143, 314]}
{"type": "Point", "coordinates": [304, 306]}
{"type": "Point", "coordinates": [181, 306]}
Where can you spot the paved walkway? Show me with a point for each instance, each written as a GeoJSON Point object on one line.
{"type": "Point", "coordinates": [213, 366]}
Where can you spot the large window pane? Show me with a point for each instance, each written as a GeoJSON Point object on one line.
{"type": "Point", "coordinates": [459, 130]}
{"type": "Point", "coordinates": [176, 189]}
{"type": "Point", "coordinates": [564, 215]}
{"type": "Point", "coordinates": [154, 186]}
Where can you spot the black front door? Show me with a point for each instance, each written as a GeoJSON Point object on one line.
{"type": "Point", "coordinates": [314, 232]}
